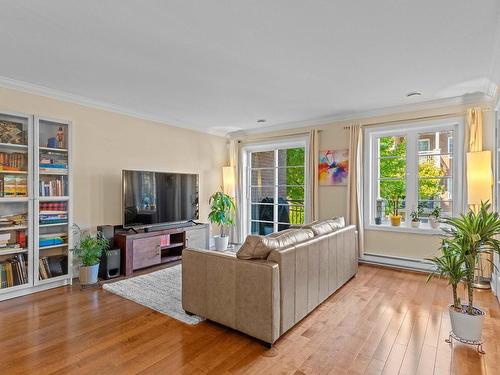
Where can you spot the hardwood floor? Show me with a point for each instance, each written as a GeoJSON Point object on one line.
{"type": "Point", "coordinates": [382, 322]}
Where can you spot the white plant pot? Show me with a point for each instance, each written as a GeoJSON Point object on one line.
{"type": "Point", "coordinates": [434, 223]}
{"type": "Point", "coordinates": [415, 224]}
{"type": "Point", "coordinates": [466, 327]}
{"type": "Point", "coordinates": [221, 243]}
{"type": "Point", "coordinates": [89, 275]}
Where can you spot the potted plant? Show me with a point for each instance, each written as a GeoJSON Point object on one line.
{"type": "Point", "coordinates": [89, 249]}
{"type": "Point", "coordinates": [434, 217]}
{"type": "Point", "coordinates": [415, 216]}
{"type": "Point", "coordinates": [221, 213]}
{"type": "Point", "coordinates": [468, 237]}
{"type": "Point", "coordinates": [395, 216]}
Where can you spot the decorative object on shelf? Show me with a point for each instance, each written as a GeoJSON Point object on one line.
{"type": "Point", "coordinates": [89, 249]}
{"type": "Point", "coordinates": [11, 132]}
{"type": "Point", "coordinates": [467, 237]}
{"type": "Point", "coordinates": [395, 216]}
{"type": "Point", "coordinates": [60, 137]}
{"type": "Point", "coordinates": [221, 213]}
{"type": "Point", "coordinates": [434, 217]}
{"type": "Point", "coordinates": [380, 211]}
{"type": "Point", "coordinates": [333, 168]}
{"type": "Point", "coordinates": [416, 215]}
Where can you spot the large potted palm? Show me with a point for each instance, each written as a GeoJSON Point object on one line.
{"type": "Point", "coordinates": [468, 237]}
{"type": "Point", "coordinates": [221, 213]}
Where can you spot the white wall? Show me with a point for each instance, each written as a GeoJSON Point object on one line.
{"type": "Point", "coordinates": [104, 143]}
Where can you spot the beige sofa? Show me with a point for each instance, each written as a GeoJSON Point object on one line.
{"type": "Point", "coordinates": [264, 298]}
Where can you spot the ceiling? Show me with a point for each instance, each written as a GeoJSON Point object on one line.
{"type": "Point", "coordinates": [220, 65]}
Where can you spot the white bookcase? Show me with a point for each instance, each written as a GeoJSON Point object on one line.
{"type": "Point", "coordinates": [495, 277]}
{"type": "Point", "coordinates": [40, 166]}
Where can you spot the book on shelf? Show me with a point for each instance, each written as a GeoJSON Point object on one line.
{"type": "Point", "coordinates": [53, 206]}
{"type": "Point", "coordinates": [13, 186]}
{"type": "Point", "coordinates": [52, 239]}
{"type": "Point", "coordinates": [52, 188]}
{"type": "Point", "coordinates": [52, 266]}
{"type": "Point", "coordinates": [13, 271]}
{"type": "Point", "coordinates": [13, 220]}
{"type": "Point", "coordinates": [15, 161]}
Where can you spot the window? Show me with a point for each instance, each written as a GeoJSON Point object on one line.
{"type": "Point", "coordinates": [412, 166]}
{"type": "Point", "coordinates": [275, 187]}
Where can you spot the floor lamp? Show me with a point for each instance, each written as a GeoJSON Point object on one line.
{"type": "Point", "coordinates": [479, 189]}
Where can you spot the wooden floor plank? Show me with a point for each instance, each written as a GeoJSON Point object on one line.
{"type": "Point", "coordinates": [383, 321]}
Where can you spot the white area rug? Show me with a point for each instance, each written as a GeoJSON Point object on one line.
{"type": "Point", "coordinates": [160, 291]}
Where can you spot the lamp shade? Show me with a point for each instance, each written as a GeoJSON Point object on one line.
{"type": "Point", "coordinates": [479, 177]}
{"type": "Point", "coordinates": [229, 180]}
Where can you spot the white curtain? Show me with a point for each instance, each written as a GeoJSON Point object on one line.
{"type": "Point", "coordinates": [236, 230]}
{"type": "Point", "coordinates": [312, 204]}
{"type": "Point", "coordinates": [354, 214]}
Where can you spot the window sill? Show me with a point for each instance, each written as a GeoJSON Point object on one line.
{"type": "Point", "coordinates": [404, 228]}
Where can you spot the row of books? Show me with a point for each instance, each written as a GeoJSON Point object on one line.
{"type": "Point", "coordinates": [53, 162]}
{"type": "Point", "coordinates": [52, 188]}
{"type": "Point", "coordinates": [4, 239]}
{"type": "Point", "coordinates": [13, 272]}
{"type": "Point", "coordinates": [53, 206]}
{"type": "Point", "coordinates": [13, 186]}
{"type": "Point", "coordinates": [53, 217]}
{"type": "Point", "coordinates": [52, 239]}
{"type": "Point", "coordinates": [52, 266]}
{"type": "Point", "coordinates": [15, 161]}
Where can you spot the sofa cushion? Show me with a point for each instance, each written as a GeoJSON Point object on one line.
{"type": "Point", "coordinates": [327, 226]}
{"type": "Point", "coordinates": [259, 247]}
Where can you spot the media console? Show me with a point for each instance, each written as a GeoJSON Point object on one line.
{"type": "Point", "coordinates": [149, 248]}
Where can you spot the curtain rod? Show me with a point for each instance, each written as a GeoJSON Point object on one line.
{"type": "Point", "coordinates": [444, 115]}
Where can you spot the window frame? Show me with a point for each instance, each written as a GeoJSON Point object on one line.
{"type": "Point", "coordinates": [411, 130]}
{"type": "Point", "coordinates": [293, 142]}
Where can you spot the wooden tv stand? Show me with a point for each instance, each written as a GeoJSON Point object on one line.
{"type": "Point", "coordinates": [145, 249]}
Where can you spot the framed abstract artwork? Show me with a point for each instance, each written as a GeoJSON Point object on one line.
{"type": "Point", "coordinates": [333, 167]}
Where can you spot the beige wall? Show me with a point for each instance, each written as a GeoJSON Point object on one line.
{"type": "Point", "coordinates": [332, 199]}
{"type": "Point", "coordinates": [104, 143]}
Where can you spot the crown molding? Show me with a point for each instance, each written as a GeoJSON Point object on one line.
{"type": "Point", "coordinates": [361, 115]}
{"type": "Point", "coordinates": [31, 88]}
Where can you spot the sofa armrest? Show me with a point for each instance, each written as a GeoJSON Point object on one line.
{"type": "Point", "coordinates": [241, 294]}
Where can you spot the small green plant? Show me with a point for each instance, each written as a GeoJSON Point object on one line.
{"type": "Point", "coordinates": [221, 210]}
{"type": "Point", "coordinates": [436, 212]}
{"type": "Point", "coordinates": [90, 247]}
{"type": "Point", "coordinates": [417, 214]}
{"type": "Point", "coordinates": [395, 205]}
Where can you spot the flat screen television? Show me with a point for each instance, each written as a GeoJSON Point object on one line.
{"type": "Point", "coordinates": [154, 198]}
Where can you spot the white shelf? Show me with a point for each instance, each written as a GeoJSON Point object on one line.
{"type": "Point", "coordinates": [54, 173]}
{"type": "Point", "coordinates": [13, 146]}
{"type": "Point", "coordinates": [53, 199]}
{"type": "Point", "coordinates": [53, 149]}
{"type": "Point", "coordinates": [13, 199]}
{"type": "Point", "coordinates": [53, 279]}
{"type": "Point", "coordinates": [12, 251]}
{"type": "Point", "coordinates": [13, 172]}
{"type": "Point", "coordinates": [52, 246]}
{"type": "Point", "coordinates": [52, 225]}
{"type": "Point", "coordinates": [13, 227]}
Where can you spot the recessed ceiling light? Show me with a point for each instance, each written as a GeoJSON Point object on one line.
{"type": "Point", "coordinates": [413, 93]}
{"type": "Point", "coordinates": [261, 121]}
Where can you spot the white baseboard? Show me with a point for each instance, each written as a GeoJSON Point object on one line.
{"type": "Point", "coordinates": [419, 265]}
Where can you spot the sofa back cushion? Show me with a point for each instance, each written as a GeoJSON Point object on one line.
{"type": "Point", "coordinates": [259, 247]}
{"type": "Point", "coordinates": [326, 226]}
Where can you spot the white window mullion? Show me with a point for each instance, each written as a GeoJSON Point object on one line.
{"type": "Point", "coordinates": [276, 189]}
{"type": "Point", "coordinates": [411, 173]}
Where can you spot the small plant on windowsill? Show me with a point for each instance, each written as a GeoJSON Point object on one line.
{"type": "Point", "coordinates": [415, 216]}
{"type": "Point", "coordinates": [434, 217]}
{"type": "Point", "coordinates": [395, 216]}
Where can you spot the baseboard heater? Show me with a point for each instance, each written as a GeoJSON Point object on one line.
{"type": "Point", "coordinates": [419, 265]}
